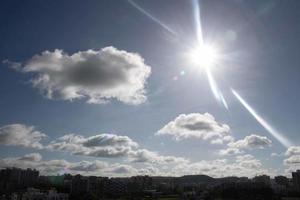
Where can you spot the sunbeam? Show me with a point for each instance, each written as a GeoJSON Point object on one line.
{"type": "Point", "coordinates": [284, 141]}
{"type": "Point", "coordinates": [139, 8]}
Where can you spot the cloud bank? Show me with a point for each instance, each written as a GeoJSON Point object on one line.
{"type": "Point", "coordinates": [134, 160]}
{"type": "Point", "coordinates": [54, 167]}
{"type": "Point", "coordinates": [103, 145]}
{"type": "Point", "coordinates": [245, 165]}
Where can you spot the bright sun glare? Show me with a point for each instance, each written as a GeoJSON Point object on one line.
{"type": "Point", "coordinates": [204, 56]}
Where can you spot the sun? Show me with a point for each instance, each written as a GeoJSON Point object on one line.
{"type": "Point", "coordinates": [204, 56]}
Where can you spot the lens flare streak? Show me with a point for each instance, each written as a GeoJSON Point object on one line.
{"type": "Point", "coordinates": [284, 141]}
{"type": "Point", "coordinates": [139, 8]}
{"type": "Point", "coordinates": [213, 84]}
{"type": "Point", "coordinates": [196, 6]}
{"type": "Point", "coordinates": [215, 90]}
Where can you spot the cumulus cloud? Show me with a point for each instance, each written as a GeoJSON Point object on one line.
{"type": "Point", "coordinates": [293, 150]}
{"type": "Point", "coordinates": [251, 142]}
{"type": "Point", "coordinates": [196, 125]}
{"type": "Point", "coordinates": [230, 151]}
{"type": "Point", "coordinates": [97, 76]}
{"type": "Point", "coordinates": [292, 161]}
{"type": "Point", "coordinates": [144, 155]}
{"type": "Point", "coordinates": [21, 135]}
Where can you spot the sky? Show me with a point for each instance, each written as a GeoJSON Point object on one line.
{"type": "Point", "coordinates": [108, 88]}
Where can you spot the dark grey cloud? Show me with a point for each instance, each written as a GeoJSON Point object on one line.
{"type": "Point", "coordinates": [34, 157]}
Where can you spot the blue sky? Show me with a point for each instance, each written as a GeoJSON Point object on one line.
{"type": "Point", "coordinates": [259, 48]}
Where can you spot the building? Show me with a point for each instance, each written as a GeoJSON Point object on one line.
{"type": "Point", "coordinates": [79, 185]}
{"type": "Point", "coordinates": [35, 194]}
{"type": "Point", "coordinates": [282, 180]}
{"type": "Point", "coordinates": [296, 180]}
{"type": "Point", "coordinates": [12, 179]}
{"type": "Point", "coordinates": [262, 179]}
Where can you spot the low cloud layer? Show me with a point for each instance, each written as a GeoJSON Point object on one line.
{"type": "Point", "coordinates": [54, 167]}
{"type": "Point", "coordinates": [97, 76]}
{"type": "Point", "coordinates": [198, 126]}
{"type": "Point", "coordinates": [245, 165]}
{"type": "Point", "coordinates": [134, 159]}
{"type": "Point", "coordinates": [101, 145]}
{"type": "Point", "coordinates": [21, 135]}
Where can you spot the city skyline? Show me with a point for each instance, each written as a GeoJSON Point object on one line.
{"type": "Point", "coordinates": [155, 88]}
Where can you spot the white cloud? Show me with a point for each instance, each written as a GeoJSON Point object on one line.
{"type": "Point", "coordinates": [251, 142]}
{"type": "Point", "coordinates": [292, 162]}
{"type": "Point", "coordinates": [196, 125]}
{"type": "Point", "coordinates": [144, 155]}
{"type": "Point", "coordinates": [230, 151]}
{"type": "Point", "coordinates": [21, 135]}
{"type": "Point", "coordinates": [293, 150]}
{"type": "Point", "coordinates": [96, 75]}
